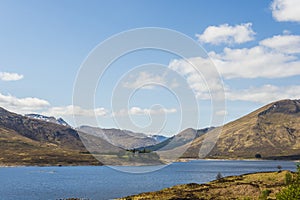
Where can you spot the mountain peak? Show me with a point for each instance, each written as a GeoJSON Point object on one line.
{"type": "Point", "coordinates": [286, 106]}
{"type": "Point", "coordinates": [47, 119]}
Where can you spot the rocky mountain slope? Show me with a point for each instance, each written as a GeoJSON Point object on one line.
{"type": "Point", "coordinates": [60, 121]}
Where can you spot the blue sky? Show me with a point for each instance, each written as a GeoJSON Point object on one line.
{"type": "Point", "coordinates": [255, 45]}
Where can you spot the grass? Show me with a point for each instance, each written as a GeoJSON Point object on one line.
{"type": "Point", "coordinates": [263, 185]}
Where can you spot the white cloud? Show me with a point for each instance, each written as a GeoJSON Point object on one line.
{"type": "Point", "coordinates": [227, 34]}
{"type": "Point", "coordinates": [265, 93]}
{"type": "Point", "coordinates": [75, 110]}
{"type": "Point", "coordinates": [144, 80]}
{"type": "Point", "coordinates": [145, 111]}
{"type": "Point", "coordinates": [199, 75]}
{"type": "Point", "coordinates": [289, 44]}
{"type": "Point", "coordinates": [255, 62]}
{"type": "Point", "coordinates": [6, 76]}
{"type": "Point", "coordinates": [22, 105]}
{"type": "Point", "coordinates": [273, 58]}
{"type": "Point", "coordinates": [286, 10]}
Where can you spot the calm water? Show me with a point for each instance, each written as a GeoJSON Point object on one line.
{"type": "Point", "coordinates": [106, 183]}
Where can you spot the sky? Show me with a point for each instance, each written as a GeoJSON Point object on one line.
{"type": "Point", "coordinates": [253, 45]}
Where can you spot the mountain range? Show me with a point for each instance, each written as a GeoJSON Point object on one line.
{"type": "Point", "coordinates": [122, 138]}
{"type": "Point", "coordinates": [25, 140]}
{"type": "Point", "coordinates": [270, 132]}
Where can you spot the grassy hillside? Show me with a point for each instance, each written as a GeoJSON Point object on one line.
{"type": "Point", "coordinates": [265, 185]}
{"type": "Point", "coordinates": [19, 150]}
{"type": "Point", "coordinates": [272, 131]}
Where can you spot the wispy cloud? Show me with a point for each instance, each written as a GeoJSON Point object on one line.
{"type": "Point", "coordinates": [144, 80]}
{"type": "Point", "coordinates": [286, 10]}
{"type": "Point", "coordinates": [7, 76]}
{"type": "Point", "coordinates": [35, 105]}
{"type": "Point", "coordinates": [227, 34]}
{"type": "Point", "coordinates": [265, 93]}
{"type": "Point", "coordinates": [144, 111]}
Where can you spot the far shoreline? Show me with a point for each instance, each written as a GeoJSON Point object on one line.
{"type": "Point", "coordinates": [182, 160]}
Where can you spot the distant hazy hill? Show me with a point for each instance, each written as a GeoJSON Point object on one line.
{"type": "Point", "coordinates": [121, 138]}
{"type": "Point", "coordinates": [272, 131]}
{"type": "Point", "coordinates": [180, 139]}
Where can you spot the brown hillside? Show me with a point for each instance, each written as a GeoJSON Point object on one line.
{"type": "Point", "coordinates": [272, 131]}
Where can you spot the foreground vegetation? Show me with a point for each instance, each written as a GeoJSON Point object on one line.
{"type": "Point", "coordinates": [283, 185]}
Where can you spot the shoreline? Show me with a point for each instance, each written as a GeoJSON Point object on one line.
{"type": "Point", "coordinates": [231, 159]}
{"type": "Point", "coordinates": [182, 160]}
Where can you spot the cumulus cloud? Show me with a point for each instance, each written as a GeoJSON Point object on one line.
{"type": "Point", "coordinates": [275, 57]}
{"type": "Point", "coordinates": [265, 93]}
{"type": "Point", "coordinates": [289, 44]}
{"type": "Point", "coordinates": [286, 10]}
{"type": "Point", "coordinates": [199, 75]}
{"type": "Point", "coordinates": [71, 110]}
{"type": "Point", "coordinates": [36, 105]}
{"type": "Point", "coordinates": [145, 111]}
{"type": "Point", "coordinates": [227, 34]}
{"type": "Point", "coordinates": [6, 76]}
{"type": "Point", "coordinates": [255, 62]}
{"type": "Point", "coordinates": [22, 105]}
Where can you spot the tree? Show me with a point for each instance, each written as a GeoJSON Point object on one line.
{"type": "Point", "coordinates": [257, 155]}
{"type": "Point", "coordinates": [288, 178]}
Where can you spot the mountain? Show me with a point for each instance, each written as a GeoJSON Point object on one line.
{"type": "Point", "coordinates": [173, 148]}
{"type": "Point", "coordinates": [28, 141]}
{"type": "Point", "coordinates": [180, 139]}
{"type": "Point", "coordinates": [48, 119]}
{"type": "Point", "coordinates": [159, 138]}
{"type": "Point", "coordinates": [120, 138]}
{"type": "Point", "coordinates": [271, 132]}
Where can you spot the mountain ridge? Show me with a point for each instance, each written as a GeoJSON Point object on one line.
{"type": "Point", "coordinates": [120, 138]}
{"type": "Point", "coordinates": [52, 119]}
